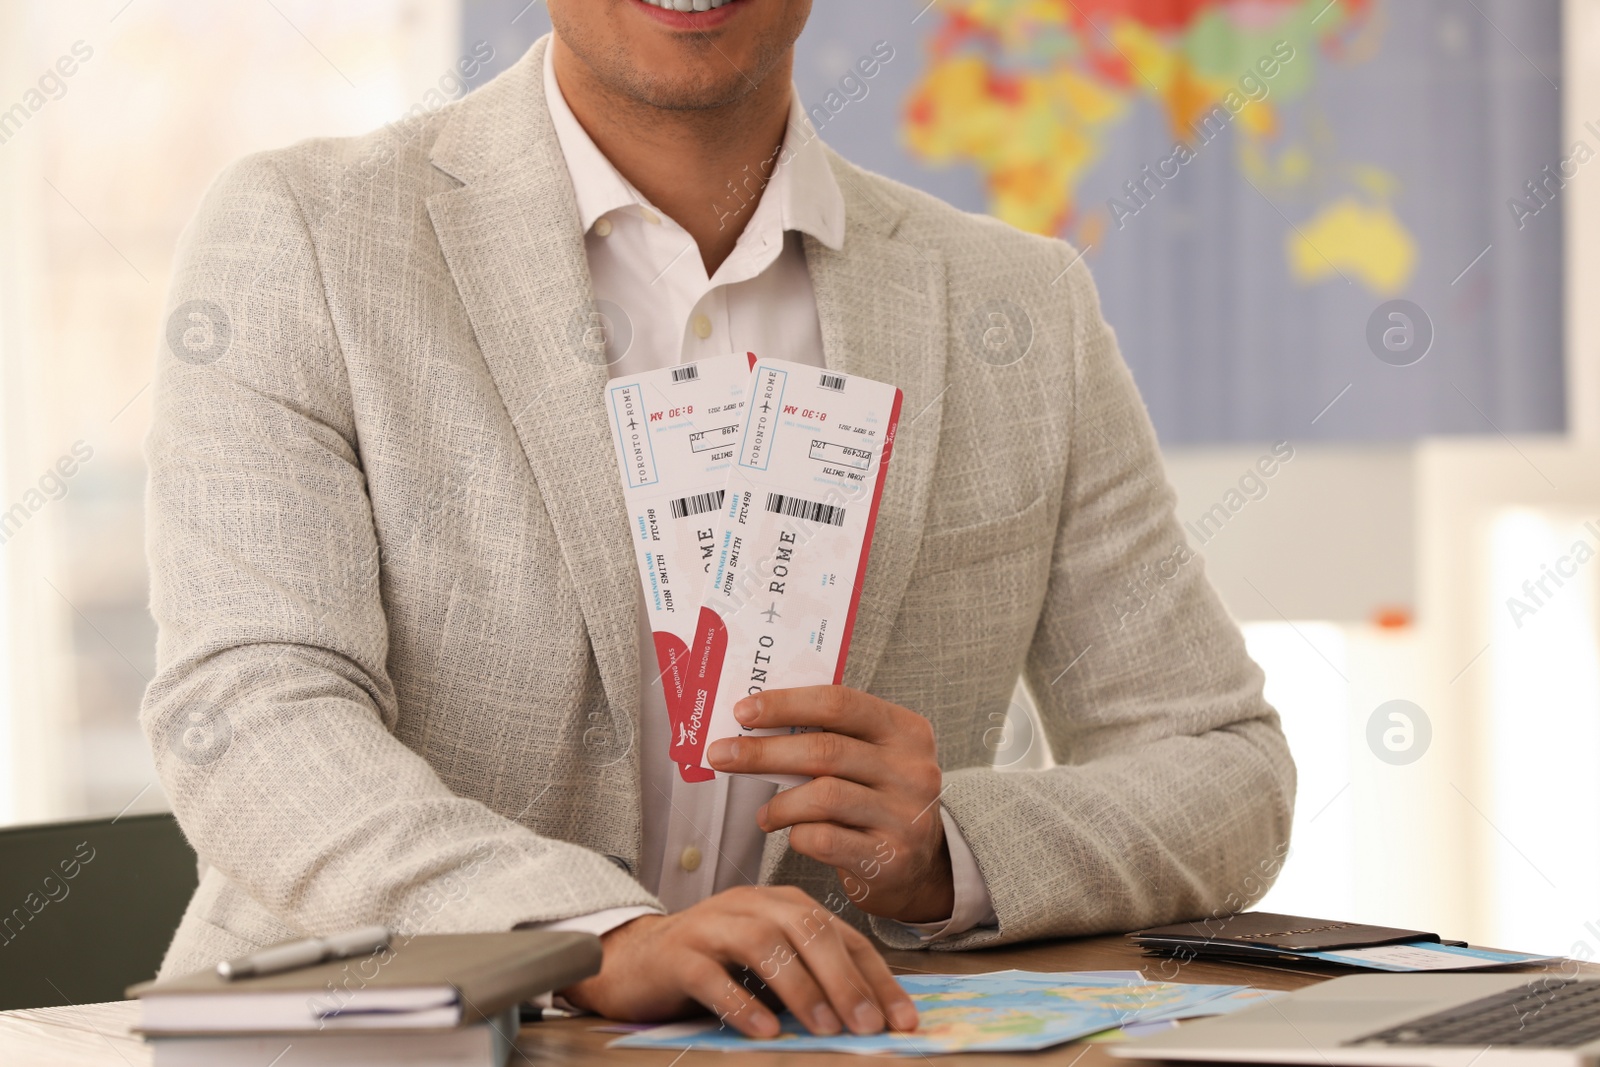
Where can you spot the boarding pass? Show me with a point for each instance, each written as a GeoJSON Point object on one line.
{"type": "Point", "coordinates": [790, 545]}
{"type": "Point", "coordinates": [676, 430]}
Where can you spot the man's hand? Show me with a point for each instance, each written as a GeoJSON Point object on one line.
{"type": "Point", "coordinates": [824, 970]}
{"type": "Point", "coordinates": [871, 810]}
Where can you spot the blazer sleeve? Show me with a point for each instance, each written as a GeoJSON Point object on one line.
{"type": "Point", "coordinates": [271, 713]}
{"type": "Point", "coordinates": [1173, 790]}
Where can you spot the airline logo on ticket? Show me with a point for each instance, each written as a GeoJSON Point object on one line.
{"type": "Point", "coordinates": [677, 431]}
{"type": "Point", "coordinates": [790, 545]}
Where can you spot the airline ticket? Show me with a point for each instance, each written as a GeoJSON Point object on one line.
{"type": "Point", "coordinates": [676, 431]}
{"type": "Point", "coordinates": [790, 545]}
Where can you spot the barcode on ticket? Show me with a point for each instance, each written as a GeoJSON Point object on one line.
{"type": "Point", "coordinates": [796, 508]}
{"type": "Point", "coordinates": [698, 504]}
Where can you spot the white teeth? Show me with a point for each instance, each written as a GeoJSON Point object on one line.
{"type": "Point", "coordinates": [688, 5]}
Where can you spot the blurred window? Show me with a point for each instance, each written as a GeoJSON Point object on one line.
{"type": "Point", "coordinates": [114, 118]}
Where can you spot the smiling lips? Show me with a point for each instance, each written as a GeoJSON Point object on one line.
{"type": "Point", "coordinates": [689, 14]}
{"type": "Point", "coordinates": [688, 5]}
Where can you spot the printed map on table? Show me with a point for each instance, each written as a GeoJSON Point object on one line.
{"type": "Point", "coordinates": [1007, 1011]}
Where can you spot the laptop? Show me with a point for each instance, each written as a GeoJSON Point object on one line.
{"type": "Point", "coordinates": [1404, 1020]}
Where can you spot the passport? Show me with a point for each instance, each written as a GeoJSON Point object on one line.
{"type": "Point", "coordinates": [1267, 933]}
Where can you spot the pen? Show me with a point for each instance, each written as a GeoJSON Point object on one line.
{"type": "Point", "coordinates": [292, 955]}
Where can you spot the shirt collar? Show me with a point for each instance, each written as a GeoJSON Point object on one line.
{"type": "Point", "coordinates": [802, 185]}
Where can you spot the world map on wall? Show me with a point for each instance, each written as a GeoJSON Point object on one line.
{"type": "Point", "coordinates": [1250, 183]}
{"type": "Point", "coordinates": [1029, 91]}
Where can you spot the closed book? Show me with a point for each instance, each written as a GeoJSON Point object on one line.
{"type": "Point", "coordinates": [430, 982]}
{"type": "Point", "coordinates": [485, 1044]}
{"type": "Point", "coordinates": [1266, 934]}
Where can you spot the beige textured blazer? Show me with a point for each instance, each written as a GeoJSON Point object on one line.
{"type": "Point", "coordinates": [397, 676]}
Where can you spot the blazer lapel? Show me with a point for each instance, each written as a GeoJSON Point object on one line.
{"type": "Point", "coordinates": [881, 300]}
{"type": "Point", "coordinates": [511, 237]}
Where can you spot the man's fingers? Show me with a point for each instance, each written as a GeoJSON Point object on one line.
{"type": "Point", "coordinates": [812, 755]}
{"type": "Point", "coordinates": [706, 981]}
{"type": "Point", "coordinates": [823, 799]}
{"type": "Point", "coordinates": [820, 968]}
{"type": "Point", "coordinates": [899, 1007]}
{"type": "Point", "coordinates": [854, 995]}
{"type": "Point", "coordinates": [779, 966]}
{"type": "Point", "coordinates": [765, 944]}
{"type": "Point", "coordinates": [834, 845]}
{"type": "Point", "coordinates": [835, 708]}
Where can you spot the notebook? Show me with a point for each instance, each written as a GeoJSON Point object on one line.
{"type": "Point", "coordinates": [485, 1044]}
{"type": "Point", "coordinates": [424, 983]}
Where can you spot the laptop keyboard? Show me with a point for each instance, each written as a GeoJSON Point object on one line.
{"type": "Point", "coordinates": [1556, 1015]}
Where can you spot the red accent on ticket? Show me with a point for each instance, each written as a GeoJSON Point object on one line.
{"type": "Point", "coordinates": [790, 545]}
{"type": "Point", "coordinates": [676, 431]}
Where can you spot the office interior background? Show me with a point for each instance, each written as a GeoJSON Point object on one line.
{"type": "Point", "coordinates": [1377, 260]}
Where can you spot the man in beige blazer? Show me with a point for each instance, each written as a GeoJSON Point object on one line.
{"type": "Point", "coordinates": [400, 660]}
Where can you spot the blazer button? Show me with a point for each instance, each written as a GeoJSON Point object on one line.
{"type": "Point", "coordinates": [690, 859]}
{"type": "Point", "coordinates": [622, 863]}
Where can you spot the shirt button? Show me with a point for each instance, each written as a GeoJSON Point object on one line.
{"type": "Point", "coordinates": [602, 228]}
{"type": "Point", "coordinates": [701, 326]}
{"type": "Point", "coordinates": [649, 216]}
{"type": "Point", "coordinates": [690, 859]}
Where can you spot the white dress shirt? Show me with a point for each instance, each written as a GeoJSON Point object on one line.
{"type": "Point", "coordinates": [661, 309]}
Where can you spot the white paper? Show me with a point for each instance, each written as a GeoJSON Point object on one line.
{"type": "Point", "coordinates": [791, 544]}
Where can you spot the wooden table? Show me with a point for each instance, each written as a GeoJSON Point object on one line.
{"type": "Point", "coordinates": [96, 1035]}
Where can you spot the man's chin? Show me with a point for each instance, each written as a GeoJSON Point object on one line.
{"type": "Point", "coordinates": [703, 60]}
{"type": "Point", "coordinates": [682, 60]}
